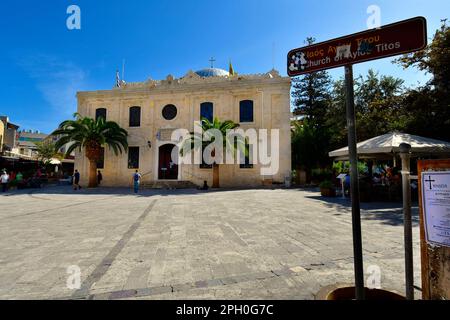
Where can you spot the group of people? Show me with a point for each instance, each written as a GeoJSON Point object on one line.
{"type": "Point", "coordinates": [6, 178]}
{"type": "Point", "coordinates": [136, 180]}
{"type": "Point", "coordinates": [387, 176]}
{"type": "Point", "coordinates": [76, 179]}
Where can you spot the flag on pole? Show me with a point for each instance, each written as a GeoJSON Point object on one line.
{"type": "Point", "coordinates": [231, 70]}
{"type": "Point", "coordinates": [118, 82]}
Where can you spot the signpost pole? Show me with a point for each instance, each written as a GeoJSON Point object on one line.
{"type": "Point", "coordinates": [354, 184]}
{"type": "Point", "coordinates": [407, 224]}
{"type": "Point", "coordinates": [390, 40]}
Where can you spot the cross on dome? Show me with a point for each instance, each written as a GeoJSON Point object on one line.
{"type": "Point", "coordinates": [212, 60]}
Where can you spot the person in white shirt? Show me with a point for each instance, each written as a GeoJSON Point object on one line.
{"type": "Point", "coordinates": [4, 178]}
{"type": "Point", "coordinates": [136, 181]}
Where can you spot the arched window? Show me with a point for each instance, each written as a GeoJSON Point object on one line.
{"type": "Point", "coordinates": [207, 111]}
{"type": "Point", "coordinates": [135, 116]}
{"type": "Point", "coordinates": [246, 111]}
{"type": "Point", "coordinates": [100, 112]}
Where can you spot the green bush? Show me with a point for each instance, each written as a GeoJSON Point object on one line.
{"type": "Point", "coordinates": [327, 184]}
{"type": "Point", "coordinates": [321, 174]}
{"type": "Point", "coordinates": [13, 183]}
{"type": "Point", "coordinates": [344, 167]}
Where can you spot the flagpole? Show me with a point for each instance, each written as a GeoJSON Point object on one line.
{"type": "Point", "coordinates": [123, 69]}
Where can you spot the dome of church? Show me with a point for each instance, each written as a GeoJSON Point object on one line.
{"type": "Point", "coordinates": [212, 72]}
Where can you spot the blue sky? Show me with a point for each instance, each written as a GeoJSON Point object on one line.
{"type": "Point", "coordinates": [43, 64]}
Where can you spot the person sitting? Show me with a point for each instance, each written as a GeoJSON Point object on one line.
{"type": "Point", "coordinates": [205, 186]}
{"type": "Point", "coordinates": [99, 177]}
{"type": "Point", "coordinates": [76, 180]}
{"type": "Point", "coordinates": [376, 178]}
{"type": "Point", "coordinates": [396, 176]}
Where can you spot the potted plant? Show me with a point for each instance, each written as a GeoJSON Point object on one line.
{"type": "Point", "coordinates": [347, 292]}
{"type": "Point", "coordinates": [327, 189]}
{"type": "Point", "coordinates": [13, 184]}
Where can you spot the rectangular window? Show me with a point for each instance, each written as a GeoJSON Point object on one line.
{"type": "Point", "coordinates": [204, 165]}
{"type": "Point", "coordinates": [135, 116]}
{"type": "Point", "coordinates": [133, 157]}
{"type": "Point", "coordinates": [247, 163]}
{"type": "Point", "coordinates": [101, 161]}
{"type": "Point", "coordinates": [246, 111]}
{"type": "Point", "coordinates": [100, 112]}
{"type": "Point", "coordinates": [206, 111]}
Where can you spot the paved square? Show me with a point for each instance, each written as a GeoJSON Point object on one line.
{"type": "Point", "coordinates": [187, 244]}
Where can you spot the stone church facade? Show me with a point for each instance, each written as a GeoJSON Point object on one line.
{"type": "Point", "coordinates": [151, 110]}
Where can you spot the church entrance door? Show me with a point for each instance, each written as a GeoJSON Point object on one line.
{"type": "Point", "coordinates": [167, 169]}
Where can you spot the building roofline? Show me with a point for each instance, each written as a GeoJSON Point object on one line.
{"type": "Point", "coordinates": [192, 82]}
{"type": "Point", "coordinates": [9, 125]}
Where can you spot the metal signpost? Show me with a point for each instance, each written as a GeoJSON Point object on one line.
{"type": "Point", "coordinates": [393, 39]}
{"type": "Point", "coordinates": [405, 154]}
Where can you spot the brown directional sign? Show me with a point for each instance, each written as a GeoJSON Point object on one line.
{"type": "Point", "coordinates": [393, 39]}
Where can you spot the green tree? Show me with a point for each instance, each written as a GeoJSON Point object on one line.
{"type": "Point", "coordinates": [427, 108]}
{"type": "Point", "coordinates": [312, 97]}
{"type": "Point", "coordinates": [378, 104]}
{"type": "Point", "coordinates": [309, 147]}
{"type": "Point", "coordinates": [434, 59]}
{"type": "Point", "coordinates": [91, 135]}
{"type": "Point", "coordinates": [336, 119]}
{"type": "Point", "coordinates": [311, 94]}
{"type": "Point", "coordinates": [46, 150]}
{"type": "Point", "coordinates": [202, 140]}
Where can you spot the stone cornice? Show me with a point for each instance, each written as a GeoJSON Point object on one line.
{"type": "Point", "coordinates": [191, 82]}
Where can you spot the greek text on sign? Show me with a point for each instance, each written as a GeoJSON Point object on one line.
{"type": "Point", "coordinates": [393, 39]}
{"type": "Point", "coordinates": [436, 206]}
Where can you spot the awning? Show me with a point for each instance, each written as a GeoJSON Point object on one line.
{"type": "Point", "coordinates": [55, 161]}
{"type": "Point", "coordinates": [387, 145]}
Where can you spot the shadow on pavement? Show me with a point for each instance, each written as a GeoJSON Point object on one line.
{"type": "Point", "coordinates": [390, 213]}
{"type": "Point", "coordinates": [119, 191]}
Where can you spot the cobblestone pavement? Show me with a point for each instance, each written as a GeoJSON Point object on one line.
{"type": "Point", "coordinates": [186, 244]}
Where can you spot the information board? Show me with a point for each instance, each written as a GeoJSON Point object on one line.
{"type": "Point", "coordinates": [434, 213]}
{"type": "Point", "coordinates": [436, 207]}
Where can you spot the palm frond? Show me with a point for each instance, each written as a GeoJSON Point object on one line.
{"type": "Point", "coordinates": [85, 131]}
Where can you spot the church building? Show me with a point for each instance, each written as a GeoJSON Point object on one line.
{"type": "Point", "coordinates": [151, 110]}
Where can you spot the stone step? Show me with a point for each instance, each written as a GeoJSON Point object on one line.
{"type": "Point", "coordinates": [169, 185]}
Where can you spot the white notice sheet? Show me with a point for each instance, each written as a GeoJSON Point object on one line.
{"type": "Point", "coordinates": [436, 206]}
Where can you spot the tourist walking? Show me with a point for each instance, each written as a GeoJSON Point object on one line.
{"type": "Point", "coordinates": [4, 178]}
{"type": "Point", "coordinates": [136, 181]}
{"type": "Point", "coordinates": [99, 177]}
{"type": "Point", "coordinates": [76, 180]}
{"type": "Point", "coordinates": [19, 179]}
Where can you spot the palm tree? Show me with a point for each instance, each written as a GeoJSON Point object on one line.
{"type": "Point", "coordinates": [196, 140]}
{"type": "Point", "coordinates": [92, 135]}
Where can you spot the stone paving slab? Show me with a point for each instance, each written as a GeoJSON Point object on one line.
{"type": "Point", "coordinates": [187, 244]}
